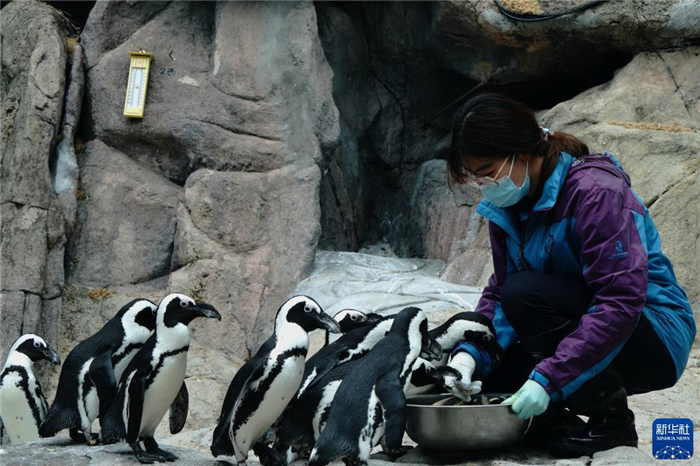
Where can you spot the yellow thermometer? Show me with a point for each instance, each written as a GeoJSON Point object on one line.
{"type": "Point", "coordinates": [138, 84]}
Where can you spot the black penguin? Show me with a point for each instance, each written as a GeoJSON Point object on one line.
{"type": "Point", "coordinates": [303, 420]}
{"type": "Point", "coordinates": [22, 403]}
{"type": "Point", "coordinates": [464, 326]}
{"type": "Point", "coordinates": [88, 380]}
{"type": "Point", "coordinates": [370, 401]}
{"type": "Point", "coordinates": [262, 388]}
{"type": "Point", "coordinates": [154, 378]}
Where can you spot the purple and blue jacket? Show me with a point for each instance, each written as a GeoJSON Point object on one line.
{"type": "Point", "coordinates": [589, 226]}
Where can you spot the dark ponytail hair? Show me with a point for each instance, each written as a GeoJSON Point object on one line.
{"type": "Point", "coordinates": [491, 125]}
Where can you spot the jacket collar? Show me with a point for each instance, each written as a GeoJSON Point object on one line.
{"type": "Point", "coordinates": [506, 218]}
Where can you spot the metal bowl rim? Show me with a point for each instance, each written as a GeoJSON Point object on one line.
{"type": "Point", "coordinates": [458, 406]}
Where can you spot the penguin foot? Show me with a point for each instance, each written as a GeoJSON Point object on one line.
{"type": "Point", "coordinates": [169, 457]}
{"type": "Point", "coordinates": [144, 457]}
{"type": "Point", "coordinates": [398, 452]}
{"type": "Point", "coordinates": [79, 436]}
{"type": "Point", "coordinates": [76, 435]}
{"type": "Point", "coordinates": [153, 449]}
{"type": "Point", "coordinates": [267, 455]}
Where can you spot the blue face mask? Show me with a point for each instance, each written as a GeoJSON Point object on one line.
{"type": "Point", "coordinates": [503, 192]}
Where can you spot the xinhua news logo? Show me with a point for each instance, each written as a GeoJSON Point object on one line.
{"type": "Point", "coordinates": [672, 439]}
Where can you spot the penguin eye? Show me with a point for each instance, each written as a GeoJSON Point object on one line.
{"type": "Point", "coordinates": [184, 303]}
{"type": "Point", "coordinates": [37, 344]}
{"type": "Point", "coordinates": [487, 337]}
{"type": "Point", "coordinates": [307, 308]}
{"type": "Point", "coordinates": [353, 317]}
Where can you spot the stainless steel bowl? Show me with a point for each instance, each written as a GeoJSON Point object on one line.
{"type": "Point", "coordinates": [466, 427]}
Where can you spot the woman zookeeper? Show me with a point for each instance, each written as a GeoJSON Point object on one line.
{"type": "Point", "coordinates": [584, 303]}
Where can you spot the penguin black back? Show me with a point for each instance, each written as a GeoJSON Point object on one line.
{"type": "Point", "coordinates": [352, 345]}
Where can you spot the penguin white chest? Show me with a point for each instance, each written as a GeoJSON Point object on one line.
{"type": "Point", "coordinates": [162, 391]}
{"type": "Point", "coordinates": [373, 430]}
{"type": "Point", "coordinates": [123, 363]}
{"type": "Point", "coordinates": [275, 398]}
{"type": "Point", "coordinates": [16, 412]}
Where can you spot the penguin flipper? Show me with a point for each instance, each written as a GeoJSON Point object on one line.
{"type": "Point", "coordinates": [320, 364]}
{"type": "Point", "coordinates": [43, 406]}
{"type": "Point", "coordinates": [136, 391]}
{"type": "Point", "coordinates": [393, 401]}
{"type": "Point", "coordinates": [178, 410]}
{"type": "Point", "coordinates": [102, 375]}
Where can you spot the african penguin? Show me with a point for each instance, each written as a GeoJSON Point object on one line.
{"type": "Point", "coordinates": [464, 326]}
{"type": "Point", "coordinates": [153, 379]}
{"type": "Point", "coordinates": [351, 319]}
{"type": "Point", "coordinates": [262, 388]}
{"type": "Point", "coordinates": [22, 403]}
{"type": "Point", "coordinates": [88, 380]}
{"type": "Point", "coordinates": [303, 420]}
{"type": "Point", "coordinates": [353, 344]}
{"type": "Point", "coordinates": [370, 401]}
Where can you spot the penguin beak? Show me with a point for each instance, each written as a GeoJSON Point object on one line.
{"type": "Point", "coordinates": [327, 322]}
{"type": "Point", "coordinates": [433, 351]}
{"type": "Point", "coordinates": [51, 356]}
{"type": "Point", "coordinates": [207, 310]}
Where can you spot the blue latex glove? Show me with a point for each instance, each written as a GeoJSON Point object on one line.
{"type": "Point", "coordinates": [531, 400]}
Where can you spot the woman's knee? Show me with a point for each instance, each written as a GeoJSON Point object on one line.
{"type": "Point", "coordinates": [515, 292]}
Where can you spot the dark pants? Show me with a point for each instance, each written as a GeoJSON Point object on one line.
{"type": "Point", "coordinates": [544, 307]}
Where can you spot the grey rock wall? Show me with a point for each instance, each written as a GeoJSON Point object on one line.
{"type": "Point", "coordinates": [32, 236]}
{"type": "Point", "coordinates": [216, 189]}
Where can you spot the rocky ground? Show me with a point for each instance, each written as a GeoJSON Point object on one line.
{"type": "Point", "coordinates": [60, 452]}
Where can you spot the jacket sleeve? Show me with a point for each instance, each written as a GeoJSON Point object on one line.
{"type": "Point", "coordinates": [490, 305]}
{"type": "Point", "coordinates": [615, 267]}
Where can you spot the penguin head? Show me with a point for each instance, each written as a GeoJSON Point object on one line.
{"type": "Point", "coordinates": [138, 317]}
{"type": "Point", "coordinates": [350, 319]}
{"type": "Point", "coordinates": [414, 321]}
{"type": "Point", "coordinates": [423, 373]}
{"type": "Point", "coordinates": [307, 313]}
{"type": "Point", "coordinates": [472, 327]}
{"type": "Point", "coordinates": [177, 309]}
{"type": "Point", "coordinates": [34, 348]}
